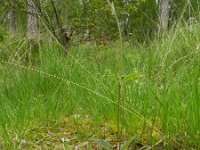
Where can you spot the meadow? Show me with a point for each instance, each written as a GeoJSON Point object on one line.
{"type": "Point", "coordinates": [64, 101]}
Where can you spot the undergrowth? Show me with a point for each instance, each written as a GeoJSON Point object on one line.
{"type": "Point", "coordinates": [162, 85]}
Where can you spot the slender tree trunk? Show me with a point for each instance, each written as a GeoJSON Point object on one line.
{"type": "Point", "coordinates": [12, 17]}
{"type": "Point", "coordinates": [32, 31]}
{"type": "Point", "coordinates": [164, 16]}
{"type": "Point", "coordinates": [126, 21]}
{"type": "Point", "coordinates": [32, 20]}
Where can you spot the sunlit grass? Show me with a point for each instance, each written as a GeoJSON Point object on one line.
{"type": "Point", "coordinates": [162, 83]}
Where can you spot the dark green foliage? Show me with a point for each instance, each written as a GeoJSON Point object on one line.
{"type": "Point", "coordinates": [32, 54]}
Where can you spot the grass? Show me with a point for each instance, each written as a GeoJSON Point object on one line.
{"type": "Point", "coordinates": [162, 99]}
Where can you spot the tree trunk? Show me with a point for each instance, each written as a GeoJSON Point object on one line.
{"type": "Point", "coordinates": [32, 31]}
{"type": "Point", "coordinates": [164, 16]}
{"type": "Point", "coordinates": [12, 17]}
{"type": "Point", "coordinates": [32, 20]}
{"type": "Point", "coordinates": [126, 21]}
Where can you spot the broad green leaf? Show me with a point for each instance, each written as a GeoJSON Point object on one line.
{"type": "Point", "coordinates": [131, 76]}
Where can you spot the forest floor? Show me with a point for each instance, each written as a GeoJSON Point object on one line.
{"type": "Point", "coordinates": [71, 132]}
{"type": "Point", "coordinates": [79, 132]}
